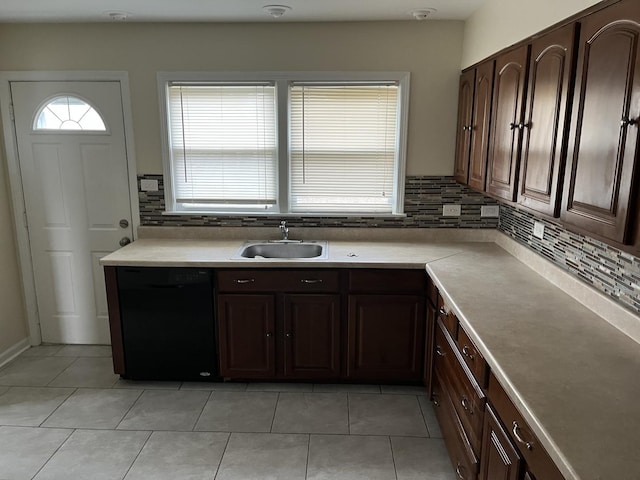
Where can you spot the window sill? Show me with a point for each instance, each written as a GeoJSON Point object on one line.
{"type": "Point", "coordinates": [285, 215]}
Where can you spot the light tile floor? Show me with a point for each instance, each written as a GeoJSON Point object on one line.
{"type": "Point", "coordinates": [65, 415]}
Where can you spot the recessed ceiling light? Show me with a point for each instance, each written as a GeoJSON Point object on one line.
{"type": "Point", "coordinates": [118, 16]}
{"type": "Point", "coordinates": [276, 11]}
{"type": "Point", "coordinates": [423, 13]}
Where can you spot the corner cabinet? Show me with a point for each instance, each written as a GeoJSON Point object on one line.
{"type": "Point", "coordinates": [601, 175]}
{"type": "Point", "coordinates": [507, 123]}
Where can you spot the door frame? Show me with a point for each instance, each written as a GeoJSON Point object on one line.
{"type": "Point", "coordinates": [15, 177]}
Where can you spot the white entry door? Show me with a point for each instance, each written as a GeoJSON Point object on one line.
{"type": "Point", "coordinates": [73, 162]}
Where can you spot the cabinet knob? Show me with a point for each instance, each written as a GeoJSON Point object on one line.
{"type": "Point", "coordinates": [288, 334]}
{"type": "Point", "coordinates": [269, 334]}
{"type": "Point", "coordinates": [626, 121]}
{"type": "Point", "coordinates": [459, 470]}
{"type": "Point", "coordinates": [513, 126]}
{"type": "Point", "coordinates": [516, 430]}
{"type": "Point", "coordinates": [466, 351]}
{"type": "Point", "coordinates": [439, 351]}
{"type": "Point", "coordinates": [442, 311]}
{"type": "Point", "coordinates": [124, 241]}
{"type": "Point", "coordinates": [465, 405]}
{"type": "Point", "coordinates": [436, 401]}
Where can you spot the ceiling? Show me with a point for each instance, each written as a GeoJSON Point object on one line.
{"type": "Point", "coordinates": [229, 10]}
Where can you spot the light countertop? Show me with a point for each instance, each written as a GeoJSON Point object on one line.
{"type": "Point", "coordinates": [573, 375]}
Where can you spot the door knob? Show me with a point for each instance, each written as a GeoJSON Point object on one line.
{"type": "Point", "coordinates": [125, 241]}
{"type": "Point", "coordinates": [124, 223]}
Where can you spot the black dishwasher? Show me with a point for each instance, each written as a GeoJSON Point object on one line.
{"type": "Point", "coordinates": [167, 323]}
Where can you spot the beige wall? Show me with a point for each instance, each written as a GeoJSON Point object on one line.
{"type": "Point", "coordinates": [13, 323]}
{"type": "Point", "coordinates": [500, 23]}
{"type": "Point", "coordinates": [431, 51]}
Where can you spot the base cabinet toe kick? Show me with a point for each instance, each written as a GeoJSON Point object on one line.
{"type": "Point", "coordinates": [486, 436]}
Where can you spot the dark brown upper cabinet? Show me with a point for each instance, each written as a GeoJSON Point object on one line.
{"type": "Point", "coordinates": [480, 125]}
{"type": "Point", "coordinates": [465, 125]}
{"type": "Point", "coordinates": [507, 122]}
{"type": "Point", "coordinates": [599, 184]}
{"type": "Point", "coordinates": [546, 127]}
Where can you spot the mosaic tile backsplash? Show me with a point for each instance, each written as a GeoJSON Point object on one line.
{"type": "Point", "coordinates": [424, 197]}
{"type": "Point", "coordinates": [608, 269]}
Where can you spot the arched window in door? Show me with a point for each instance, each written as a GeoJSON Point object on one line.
{"type": "Point", "coordinates": [66, 112]}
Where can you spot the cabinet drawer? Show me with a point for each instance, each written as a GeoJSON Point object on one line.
{"type": "Point", "coordinates": [536, 457]}
{"type": "Point", "coordinates": [472, 357]}
{"type": "Point", "coordinates": [387, 281]}
{"type": "Point", "coordinates": [466, 395]}
{"type": "Point", "coordinates": [464, 460]}
{"type": "Point", "coordinates": [447, 317]}
{"type": "Point", "coordinates": [278, 281]}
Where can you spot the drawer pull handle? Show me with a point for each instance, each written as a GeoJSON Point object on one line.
{"type": "Point", "coordinates": [311, 281]}
{"type": "Point", "coordinates": [459, 469]}
{"type": "Point", "coordinates": [442, 311]}
{"type": "Point", "coordinates": [465, 404]}
{"type": "Point", "coordinates": [466, 351]}
{"type": "Point", "coordinates": [244, 281]}
{"type": "Point", "coordinates": [439, 351]}
{"type": "Point", "coordinates": [516, 428]}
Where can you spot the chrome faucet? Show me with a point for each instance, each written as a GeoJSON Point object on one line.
{"type": "Point", "coordinates": [284, 229]}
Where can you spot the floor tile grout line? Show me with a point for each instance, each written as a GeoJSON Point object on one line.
{"type": "Point", "coordinates": [133, 404]}
{"type": "Point", "coordinates": [193, 429]}
{"type": "Point", "coordinates": [64, 370]}
{"type": "Point", "coordinates": [58, 407]}
{"type": "Point", "coordinates": [137, 455]}
{"type": "Point", "coordinates": [275, 409]}
{"type": "Point", "coordinates": [306, 468]}
{"type": "Point", "coordinates": [73, 430]}
{"type": "Point", "coordinates": [424, 418]}
{"type": "Point", "coordinates": [222, 456]}
{"type": "Point", "coordinates": [393, 458]}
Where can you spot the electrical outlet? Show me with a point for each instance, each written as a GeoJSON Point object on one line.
{"type": "Point", "coordinates": [451, 210]}
{"type": "Point", "coordinates": [147, 185]}
{"type": "Point", "coordinates": [538, 230]}
{"type": "Point", "coordinates": [490, 211]}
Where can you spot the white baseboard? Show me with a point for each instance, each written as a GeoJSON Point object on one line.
{"type": "Point", "coordinates": [13, 351]}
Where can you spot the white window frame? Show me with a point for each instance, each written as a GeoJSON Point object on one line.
{"type": "Point", "coordinates": [282, 81]}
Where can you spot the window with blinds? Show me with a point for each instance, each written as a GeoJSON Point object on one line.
{"type": "Point", "coordinates": [303, 143]}
{"type": "Point", "coordinates": [343, 144]}
{"type": "Point", "coordinates": [222, 141]}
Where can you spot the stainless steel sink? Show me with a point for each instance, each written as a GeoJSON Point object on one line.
{"type": "Point", "coordinates": [284, 249]}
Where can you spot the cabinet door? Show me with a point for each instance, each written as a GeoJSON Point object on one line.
{"type": "Point", "coordinates": [246, 335]}
{"type": "Point", "coordinates": [312, 336]}
{"type": "Point", "coordinates": [428, 354]}
{"type": "Point", "coordinates": [500, 460]}
{"type": "Point", "coordinates": [546, 129]}
{"type": "Point", "coordinates": [604, 141]}
{"type": "Point", "coordinates": [507, 122]}
{"type": "Point", "coordinates": [480, 125]}
{"type": "Point", "coordinates": [465, 119]}
{"type": "Point", "coordinates": [386, 337]}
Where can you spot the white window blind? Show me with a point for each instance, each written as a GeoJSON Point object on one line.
{"type": "Point", "coordinates": [343, 147]}
{"type": "Point", "coordinates": [223, 145]}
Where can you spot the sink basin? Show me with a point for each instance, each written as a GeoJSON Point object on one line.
{"type": "Point", "coordinates": [285, 249]}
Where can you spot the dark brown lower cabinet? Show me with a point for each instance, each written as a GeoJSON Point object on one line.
{"type": "Point", "coordinates": [246, 329]}
{"type": "Point", "coordinates": [312, 336]}
{"type": "Point", "coordinates": [499, 460]}
{"type": "Point", "coordinates": [386, 337]}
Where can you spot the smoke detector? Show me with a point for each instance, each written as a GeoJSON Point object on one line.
{"type": "Point", "coordinates": [276, 11]}
{"type": "Point", "coordinates": [423, 13]}
{"type": "Point", "coordinates": [118, 16]}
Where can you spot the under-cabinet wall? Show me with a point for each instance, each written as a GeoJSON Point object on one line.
{"type": "Point", "coordinates": [606, 268]}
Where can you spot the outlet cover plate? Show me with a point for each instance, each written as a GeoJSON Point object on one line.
{"type": "Point", "coordinates": [538, 230]}
{"type": "Point", "coordinates": [490, 211]}
{"type": "Point", "coordinates": [147, 185]}
{"type": "Point", "coordinates": [451, 210]}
